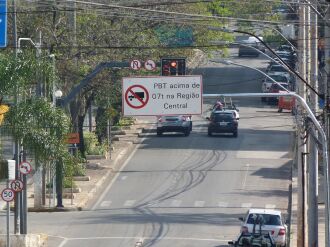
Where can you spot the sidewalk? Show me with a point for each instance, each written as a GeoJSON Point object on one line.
{"type": "Point", "coordinates": [98, 170]}
{"type": "Point", "coordinates": [294, 208]}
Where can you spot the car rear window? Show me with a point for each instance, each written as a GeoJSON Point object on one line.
{"type": "Point", "coordinates": [268, 219]}
{"type": "Point", "coordinates": [222, 117]}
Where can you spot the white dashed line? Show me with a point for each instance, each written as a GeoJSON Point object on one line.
{"type": "Point", "coordinates": [223, 204]}
{"type": "Point", "coordinates": [270, 206]}
{"type": "Point", "coordinates": [246, 205]}
{"type": "Point", "coordinates": [105, 204]}
{"type": "Point", "coordinates": [129, 203]}
{"type": "Point", "coordinates": [175, 203]}
{"type": "Point", "coordinates": [199, 204]}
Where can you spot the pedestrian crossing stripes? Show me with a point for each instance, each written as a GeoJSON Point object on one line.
{"type": "Point", "coordinates": [192, 204]}
{"type": "Point", "coordinates": [129, 203]}
{"type": "Point", "coordinates": [105, 204]}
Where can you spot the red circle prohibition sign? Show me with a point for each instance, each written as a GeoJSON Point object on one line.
{"type": "Point", "coordinates": [142, 97]}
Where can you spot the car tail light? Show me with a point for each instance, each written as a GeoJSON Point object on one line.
{"type": "Point", "coordinates": [281, 232]}
{"type": "Point", "coordinates": [160, 119]}
{"type": "Point", "coordinates": [244, 229]}
{"type": "Point", "coordinates": [184, 118]}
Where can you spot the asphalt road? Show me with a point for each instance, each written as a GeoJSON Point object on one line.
{"type": "Point", "coordinates": [189, 191]}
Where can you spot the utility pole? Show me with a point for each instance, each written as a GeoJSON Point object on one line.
{"type": "Point", "coordinates": [302, 149]}
{"type": "Point", "coordinates": [312, 215]}
{"type": "Point", "coordinates": [327, 93]}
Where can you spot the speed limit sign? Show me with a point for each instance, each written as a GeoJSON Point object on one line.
{"type": "Point", "coordinates": [7, 195]}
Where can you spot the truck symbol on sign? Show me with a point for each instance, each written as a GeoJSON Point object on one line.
{"type": "Point", "coordinates": [139, 94]}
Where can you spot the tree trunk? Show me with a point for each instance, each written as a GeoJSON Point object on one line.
{"type": "Point", "coordinates": [37, 177]}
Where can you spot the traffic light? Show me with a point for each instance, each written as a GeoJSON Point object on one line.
{"type": "Point", "coordinates": [173, 66]}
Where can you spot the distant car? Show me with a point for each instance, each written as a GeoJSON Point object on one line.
{"type": "Point", "coordinates": [287, 48]}
{"type": "Point", "coordinates": [251, 46]}
{"type": "Point", "coordinates": [268, 221]}
{"type": "Point", "coordinates": [276, 88]}
{"type": "Point", "coordinates": [174, 124]}
{"type": "Point", "coordinates": [267, 82]}
{"type": "Point", "coordinates": [276, 69]}
{"type": "Point", "coordinates": [222, 122]}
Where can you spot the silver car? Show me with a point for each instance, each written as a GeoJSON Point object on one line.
{"type": "Point", "coordinates": [179, 123]}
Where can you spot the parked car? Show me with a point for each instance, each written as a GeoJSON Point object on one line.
{"type": "Point", "coordinates": [267, 82]}
{"type": "Point", "coordinates": [222, 122]}
{"type": "Point", "coordinates": [276, 88]}
{"type": "Point", "coordinates": [276, 69]}
{"type": "Point", "coordinates": [174, 124]}
{"type": "Point", "coordinates": [287, 48]}
{"type": "Point", "coordinates": [267, 221]}
{"type": "Point", "coordinates": [246, 50]}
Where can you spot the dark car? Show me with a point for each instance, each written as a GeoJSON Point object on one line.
{"type": "Point", "coordinates": [276, 88]}
{"type": "Point", "coordinates": [222, 122]}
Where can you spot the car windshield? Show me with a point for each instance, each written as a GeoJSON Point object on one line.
{"type": "Point", "coordinates": [268, 219]}
{"type": "Point", "coordinates": [222, 117]}
{"type": "Point", "coordinates": [278, 68]}
{"type": "Point", "coordinates": [278, 78]}
{"type": "Point", "coordinates": [277, 87]}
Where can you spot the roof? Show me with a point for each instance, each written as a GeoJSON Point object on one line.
{"type": "Point", "coordinates": [264, 211]}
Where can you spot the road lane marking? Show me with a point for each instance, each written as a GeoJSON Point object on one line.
{"type": "Point", "coordinates": [246, 205]}
{"type": "Point", "coordinates": [245, 176]}
{"type": "Point", "coordinates": [123, 177]}
{"type": "Point", "coordinates": [270, 206]}
{"type": "Point", "coordinates": [175, 203]}
{"type": "Point", "coordinates": [223, 204]}
{"type": "Point", "coordinates": [105, 204]}
{"type": "Point", "coordinates": [199, 204]}
{"type": "Point", "coordinates": [262, 155]}
{"type": "Point", "coordinates": [129, 203]}
{"type": "Point", "coordinates": [148, 238]}
{"type": "Point", "coordinates": [115, 178]}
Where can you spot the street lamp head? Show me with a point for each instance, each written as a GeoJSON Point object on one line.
{"type": "Point", "coordinates": [58, 93]}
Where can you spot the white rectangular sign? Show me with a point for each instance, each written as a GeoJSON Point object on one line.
{"type": "Point", "coordinates": [162, 95]}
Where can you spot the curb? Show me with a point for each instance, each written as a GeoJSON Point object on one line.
{"type": "Point", "coordinates": [91, 193]}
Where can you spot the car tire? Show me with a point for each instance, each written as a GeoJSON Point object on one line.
{"type": "Point", "coordinates": [235, 134]}
{"type": "Point", "coordinates": [263, 99]}
{"type": "Point", "coordinates": [186, 132]}
{"type": "Point", "coordinates": [209, 133]}
{"type": "Point", "coordinates": [159, 132]}
{"type": "Point", "coordinates": [190, 129]}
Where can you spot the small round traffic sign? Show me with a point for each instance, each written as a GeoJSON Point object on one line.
{"type": "Point", "coordinates": [8, 195]}
{"type": "Point", "coordinates": [135, 64]}
{"type": "Point", "coordinates": [150, 65]}
{"type": "Point", "coordinates": [25, 167]}
{"type": "Point", "coordinates": [16, 185]}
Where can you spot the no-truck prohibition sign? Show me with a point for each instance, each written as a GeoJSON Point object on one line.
{"type": "Point", "coordinates": [136, 96]}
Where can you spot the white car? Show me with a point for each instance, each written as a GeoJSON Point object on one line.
{"type": "Point", "coordinates": [174, 124]}
{"type": "Point", "coordinates": [271, 221]}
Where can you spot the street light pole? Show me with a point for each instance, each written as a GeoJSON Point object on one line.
{"type": "Point", "coordinates": [59, 165]}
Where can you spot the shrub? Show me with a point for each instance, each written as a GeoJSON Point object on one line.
{"type": "Point", "coordinates": [92, 145]}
